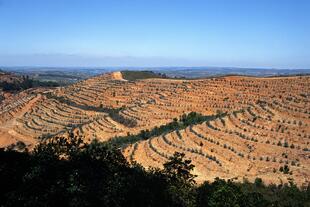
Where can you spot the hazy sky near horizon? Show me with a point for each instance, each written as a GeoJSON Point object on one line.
{"type": "Point", "coordinates": [236, 33]}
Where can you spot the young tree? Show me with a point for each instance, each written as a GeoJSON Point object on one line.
{"type": "Point", "coordinates": [181, 181]}
{"type": "Point", "coordinates": [179, 169]}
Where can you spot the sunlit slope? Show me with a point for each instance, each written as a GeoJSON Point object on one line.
{"type": "Point", "coordinates": [152, 102]}
{"type": "Point", "coordinates": [250, 143]}
{"type": "Point", "coordinates": [267, 125]}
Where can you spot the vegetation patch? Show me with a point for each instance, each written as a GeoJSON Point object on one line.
{"type": "Point", "coordinates": [184, 121]}
{"type": "Point", "coordinates": [26, 83]}
{"type": "Point", "coordinates": [137, 75]}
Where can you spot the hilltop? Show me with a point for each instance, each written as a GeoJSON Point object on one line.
{"type": "Point", "coordinates": [138, 75]}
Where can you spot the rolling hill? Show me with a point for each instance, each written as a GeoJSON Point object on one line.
{"type": "Point", "coordinates": [263, 130]}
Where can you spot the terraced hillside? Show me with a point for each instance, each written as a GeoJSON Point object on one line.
{"type": "Point", "coordinates": [244, 144]}
{"type": "Point", "coordinates": [266, 127]}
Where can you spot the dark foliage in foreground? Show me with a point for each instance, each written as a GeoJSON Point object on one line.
{"type": "Point", "coordinates": [68, 172]}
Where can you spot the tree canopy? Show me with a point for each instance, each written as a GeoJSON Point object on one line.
{"type": "Point", "coordinates": [65, 171]}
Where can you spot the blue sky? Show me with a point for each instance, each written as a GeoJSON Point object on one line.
{"type": "Point", "coordinates": [234, 33]}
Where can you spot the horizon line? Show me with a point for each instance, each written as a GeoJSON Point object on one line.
{"type": "Point", "coordinates": [152, 67]}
